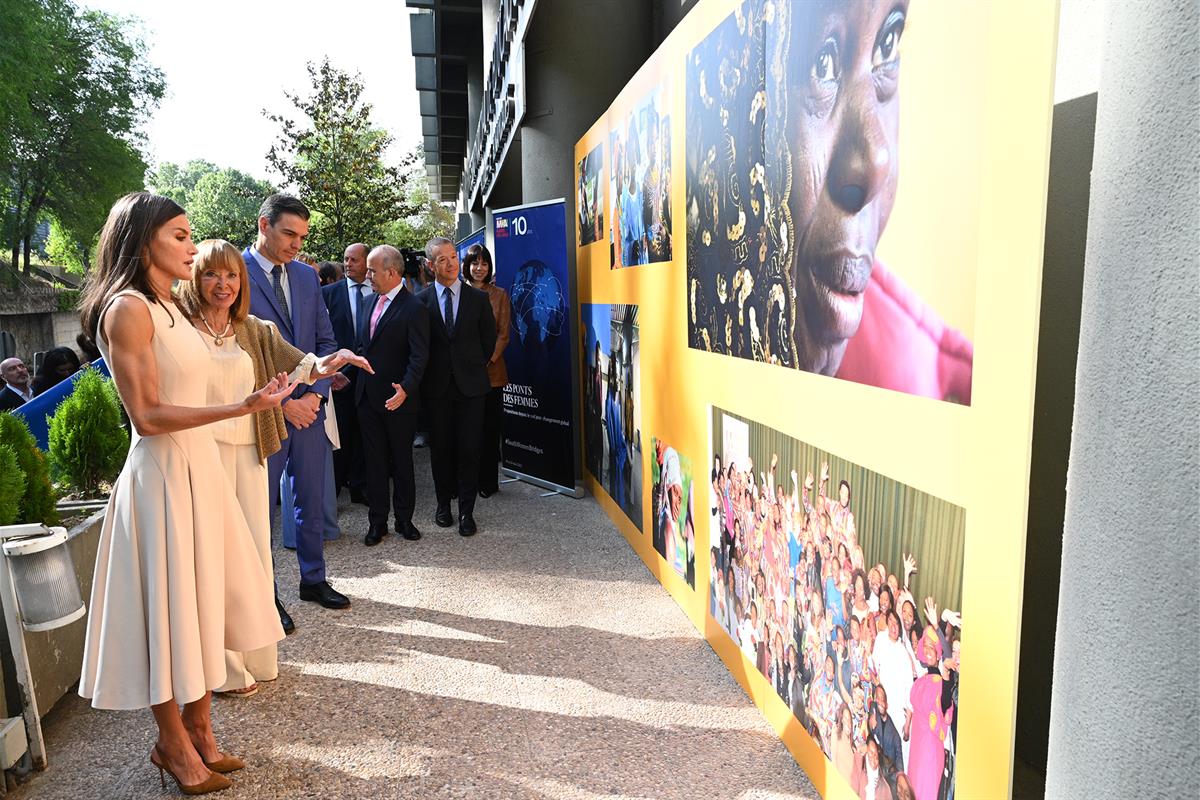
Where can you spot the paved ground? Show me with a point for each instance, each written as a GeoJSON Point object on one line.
{"type": "Point", "coordinates": [538, 660]}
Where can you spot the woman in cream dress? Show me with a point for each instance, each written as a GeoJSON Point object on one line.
{"type": "Point", "coordinates": [243, 348]}
{"type": "Point", "coordinates": [177, 580]}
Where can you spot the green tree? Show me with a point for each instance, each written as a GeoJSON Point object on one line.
{"type": "Point", "coordinates": [426, 217]}
{"type": "Point", "coordinates": [88, 444]}
{"type": "Point", "coordinates": [177, 181]}
{"type": "Point", "coordinates": [224, 205]}
{"type": "Point", "coordinates": [37, 498]}
{"type": "Point", "coordinates": [335, 160]}
{"type": "Point", "coordinates": [76, 147]}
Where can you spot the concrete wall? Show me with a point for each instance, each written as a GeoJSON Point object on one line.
{"type": "Point", "coordinates": [1126, 667]}
{"type": "Point", "coordinates": [55, 657]}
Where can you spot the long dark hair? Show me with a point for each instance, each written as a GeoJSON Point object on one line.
{"type": "Point", "coordinates": [121, 256]}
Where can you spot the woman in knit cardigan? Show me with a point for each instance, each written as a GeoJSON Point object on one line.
{"type": "Point", "coordinates": [245, 349]}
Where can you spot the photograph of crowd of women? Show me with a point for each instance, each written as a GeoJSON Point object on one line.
{"type": "Point", "coordinates": [612, 403]}
{"type": "Point", "coordinates": [843, 588]}
{"type": "Point", "coordinates": [590, 199]}
{"type": "Point", "coordinates": [639, 194]}
{"type": "Point", "coordinates": [674, 508]}
{"type": "Point", "coordinates": [792, 166]}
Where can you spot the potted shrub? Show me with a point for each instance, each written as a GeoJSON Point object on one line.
{"type": "Point", "coordinates": [36, 502]}
{"type": "Point", "coordinates": [12, 485]}
{"type": "Point", "coordinates": [88, 444]}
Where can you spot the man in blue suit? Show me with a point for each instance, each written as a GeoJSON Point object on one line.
{"type": "Point", "coordinates": [345, 300]}
{"type": "Point", "coordinates": [287, 293]}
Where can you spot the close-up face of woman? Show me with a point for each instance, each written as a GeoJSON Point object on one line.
{"type": "Point", "coordinates": [481, 270]}
{"type": "Point", "coordinates": [171, 249]}
{"type": "Point", "coordinates": [220, 285]}
{"type": "Point", "coordinates": [843, 132]}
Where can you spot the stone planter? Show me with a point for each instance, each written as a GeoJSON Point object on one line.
{"type": "Point", "coordinates": [56, 656]}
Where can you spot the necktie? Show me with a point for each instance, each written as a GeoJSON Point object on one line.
{"type": "Point", "coordinates": [358, 303]}
{"type": "Point", "coordinates": [449, 312]}
{"type": "Point", "coordinates": [280, 295]}
{"type": "Point", "coordinates": [383, 301]}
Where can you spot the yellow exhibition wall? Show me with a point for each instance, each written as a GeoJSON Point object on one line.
{"type": "Point", "coordinates": [966, 235]}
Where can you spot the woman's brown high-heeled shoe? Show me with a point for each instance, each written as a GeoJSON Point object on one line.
{"type": "Point", "coordinates": [226, 763]}
{"type": "Point", "coordinates": [213, 783]}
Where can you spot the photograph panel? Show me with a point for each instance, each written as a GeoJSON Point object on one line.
{"type": "Point", "coordinates": [843, 588]}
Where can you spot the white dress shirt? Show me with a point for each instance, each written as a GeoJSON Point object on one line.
{"type": "Point", "coordinates": [268, 266]}
{"type": "Point", "coordinates": [455, 294]}
{"type": "Point", "coordinates": [26, 395]}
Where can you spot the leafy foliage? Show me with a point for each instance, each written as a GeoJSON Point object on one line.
{"type": "Point", "coordinates": [224, 205]}
{"type": "Point", "coordinates": [12, 485]}
{"type": "Point", "coordinates": [74, 87]}
{"type": "Point", "coordinates": [36, 503]}
{"type": "Point", "coordinates": [334, 160]}
{"type": "Point", "coordinates": [88, 445]}
{"type": "Point", "coordinates": [65, 250]}
{"type": "Point", "coordinates": [177, 181]}
{"type": "Point", "coordinates": [426, 217]}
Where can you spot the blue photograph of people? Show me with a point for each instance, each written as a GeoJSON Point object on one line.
{"type": "Point", "coordinates": [590, 196]}
{"type": "Point", "coordinates": [612, 403]}
{"type": "Point", "coordinates": [842, 587]}
{"type": "Point", "coordinates": [639, 193]}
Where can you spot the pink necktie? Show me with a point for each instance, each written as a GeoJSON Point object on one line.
{"type": "Point", "coordinates": [382, 304]}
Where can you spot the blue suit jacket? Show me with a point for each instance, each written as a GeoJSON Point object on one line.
{"type": "Point", "coordinates": [307, 328]}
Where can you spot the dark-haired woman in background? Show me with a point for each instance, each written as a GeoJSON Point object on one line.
{"type": "Point", "coordinates": [482, 275]}
{"type": "Point", "coordinates": [58, 364]}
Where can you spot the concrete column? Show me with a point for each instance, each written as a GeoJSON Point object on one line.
{"type": "Point", "coordinates": [1126, 667]}
{"type": "Point", "coordinates": [577, 57]}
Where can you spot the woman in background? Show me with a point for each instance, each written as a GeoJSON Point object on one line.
{"type": "Point", "coordinates": [58, 364]}
{"type": "Point", "coordinates": [481, 274]}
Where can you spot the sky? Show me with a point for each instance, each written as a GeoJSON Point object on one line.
{"type": "Point", "coordinates": [226, 61]}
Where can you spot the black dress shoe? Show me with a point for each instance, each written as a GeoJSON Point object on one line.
{"type": "Point", "coordinates": [356, 496]}
{"type": "Point", "coordinates": [324, 594]}
{"type": "Point", "coordinates": [466, 525]}
{"type": "Point", "coordinates": [486, 493]}
{"type": "Point", "coordinates": [375, 535]}
{"type": "Point", "coordinates": [443, 517]}
{"type": "Point", "coordinates": [408, 531]}
{"type": "Point", "coordinates": [285, 619]}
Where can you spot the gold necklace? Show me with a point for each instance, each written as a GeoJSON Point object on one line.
{"type": "Point", "coordinates": [218, 338]}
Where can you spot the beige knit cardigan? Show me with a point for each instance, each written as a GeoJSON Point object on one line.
{"type": "Point", "coordinates": [271, 355]}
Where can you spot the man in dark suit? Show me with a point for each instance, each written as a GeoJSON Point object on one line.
{"type": "Point", "coordinates": [345, 300]}
{"type": "Point", "coordinates": [462, 337]}
{"type": "Point", "coordinates": [287, 293]}
{"type": "Point", "coordinates": [394, 336]}
{"type": "Point", "coordinates": [16, 390]}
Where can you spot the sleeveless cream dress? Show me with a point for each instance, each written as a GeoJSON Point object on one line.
{"type": "Point", "coordinates": [178, 579]}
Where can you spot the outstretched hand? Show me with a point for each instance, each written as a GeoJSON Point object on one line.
{"type": "Point", "coordinates": [396, 400]}
{"type": "Point", "coordinates": [271, 395]}
{"type": "Point", "coordinates": [341, 358]}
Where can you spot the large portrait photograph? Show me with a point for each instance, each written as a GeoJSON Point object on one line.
{"type": "Point", "coordinates": [639, 192]}
{"type": "Point", "coordinates": [843, 588]}
{"type": "Point", "coordinates": [831, 227]}
{"type": "Point", "coordinates": [612, 403]}
{"type": "Point", "coordinates": [590, 199]}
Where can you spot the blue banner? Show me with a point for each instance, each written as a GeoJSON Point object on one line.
{"type": "Point", "coordinates": [477, 237]}
{"type": "Point", "coordinates": [36, 411]}
{"type": "Point", "coordinates": [531, 265]}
